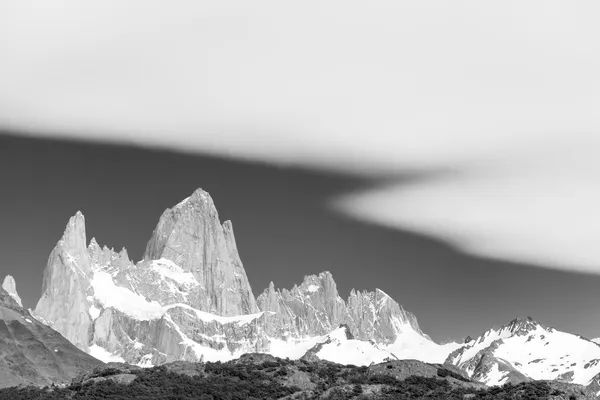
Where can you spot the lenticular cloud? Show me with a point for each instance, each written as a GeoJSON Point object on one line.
{"type": "Point", "coordinates": [504, 93]}
{"type": "Point", "coordinates": [538, 208]}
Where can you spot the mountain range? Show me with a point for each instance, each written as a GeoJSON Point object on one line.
{"type": "Point", "coordinates": [189, 299]}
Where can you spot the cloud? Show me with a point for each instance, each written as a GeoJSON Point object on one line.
{"type": "Point", "coordinates": [506, 94]}
{"type": "Point", "coordinates": [537, 207]}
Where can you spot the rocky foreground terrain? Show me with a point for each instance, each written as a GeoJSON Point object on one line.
{"type": "Point", "coordinates": [261, 376]}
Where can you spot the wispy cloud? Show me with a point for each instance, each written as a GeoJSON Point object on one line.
{"type": "Point", "coordinates": [504, 93]}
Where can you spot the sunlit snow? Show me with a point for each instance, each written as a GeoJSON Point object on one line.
{"type": "Point", "coordinates": [168, 269]}
{"type": "Point", "coordinates": [104, 355]}
{"type": "Point", "coordinates": [136, 306]}
{"type": "Point", "coordinates": [94, 312]}
{"type": "Point", "coordinates": [313, 288]}
{"type": "Point", "coordinates": [541, 353]}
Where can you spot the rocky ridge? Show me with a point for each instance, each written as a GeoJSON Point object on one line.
{"type": "Point", "coordinates": [11, 288]}
{"type": "Point", "coordinates": [189, 299]}
{"type": "Point", "coordinates": [524, 350]}
{"type": "Point", "coordinates": [32, 353]}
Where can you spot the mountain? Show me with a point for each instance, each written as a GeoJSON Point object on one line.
{"type": "Point", "coordinates": [11, 288]}
{"type": "Point", "coordinates": [31, 352]}
{"type": "Point", "coordinates": [524, 350]}
{"type": "Point", "coordinates": [189, 299]}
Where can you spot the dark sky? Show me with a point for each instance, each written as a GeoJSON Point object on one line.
{"type": "Point", "coordinates": [284, 230]}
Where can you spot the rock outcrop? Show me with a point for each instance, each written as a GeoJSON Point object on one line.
{"type": "Point", "coordinates": [11, 288]}
{"type": "Point", "coordinates": [33, 353]}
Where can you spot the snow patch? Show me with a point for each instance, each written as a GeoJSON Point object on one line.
{"type": "Point", "coordinates": [136, 306]}
{"type": "Point", "coordinates": [104, 355]}
{"type": "Point", "coordinates": [94, 312]}
{"type": "Point", "coordinates": [201, 352]}
{"type": "Point", "coordinates": [495, 377]}
{"type": "Point", "coordinates": [410, 344]}
{"type": "Point", "coordinates": [123, 299]}
{"type": "Point", "coordinates": [168, 269]}
{"type": "Point", "coordinates": [313, 288]}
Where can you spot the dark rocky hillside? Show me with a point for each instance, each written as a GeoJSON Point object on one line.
{"type": "Point", "coordinates": [260, 376]}
{"type": "Point", "coordinates": [32, 353]}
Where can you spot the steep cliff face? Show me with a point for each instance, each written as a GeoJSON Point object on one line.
{"type": "Point", "coordinates": [315, 308]}
{"type": "Point", "coordinates": [33, 353]}
{"type": "Point", "coordinates": [11, 288]}
{"type": "Point", "coordinates": [189, 299]}
{"type": "Point", "coordinates": [66, 285]}
{"type": "Point", "coordinates": [191, 236]}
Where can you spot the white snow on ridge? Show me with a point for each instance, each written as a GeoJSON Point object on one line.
{"type": "Point", "coordinates": [168, 269]}
{"type": "Point", "coordinates": [292, 348]}
{"type": "Point", "coordinates": [495, 377]}
{"type": "Point", "coordinates": [542, 354]}
{"type": "Point", "coordinates": [136, 306]}
{"type": "Point", "coordinates": [123, 299]}
{"type": "Point", "coordinates": [338, 348]}
{"type": "Point", "coordinates": [104, 355]}
{"type": "Point", "coordinates": [182, 202]}
{"type": "Point", "coordinates": [206, 353]}
{"type": "Point", "coordinates": [411, 345]}
{"type": "Point", "coordinates": [204, 316]}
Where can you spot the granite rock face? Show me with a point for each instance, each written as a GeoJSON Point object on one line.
{"type": "Point", "coordinates": [189, 299]}
{"type": "Point", "coordinates": [63, 304]}
{"type": "Point", "coordinates": [191, 235]}
{"type": "Point", "coordinates": [315, 308]}
{"type": "Point", "coordinates": [32, 353]}
{"type": "Point", "coordinates": [11, 288]}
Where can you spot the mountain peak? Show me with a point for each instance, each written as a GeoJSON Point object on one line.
{"type": "Point", "coordinates": [522, 325]}
{"type": "Point", "coordinates": [191, 235]}
{"type": "Point", "coordinates": [74, 234]}
{"type": "Point", "coordinates": [11, 288]}
{"type": "Point", "coordinates": [199, 198]}
{"type": "Point", "coordinates": [93, 244]}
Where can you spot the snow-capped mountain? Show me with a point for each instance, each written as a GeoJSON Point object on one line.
{"type": "Point", "coordinates": [189, 299]}
{"type": "Point", "coordinates": [525, 349]}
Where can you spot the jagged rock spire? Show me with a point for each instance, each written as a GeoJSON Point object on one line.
{"type": "Point", "coordinates": [66, 279]}
{"type": "Point", "coordinates": [315, 308]}
{"type": "Point", "coordinates": [191, 235]}
{"type": "Point", "coordinates": [11, 288]}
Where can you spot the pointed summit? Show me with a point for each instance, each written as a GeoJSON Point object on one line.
{"type": "Point", "coordinates": [74, 233]}
{"type": "Point", "coordinates": [66, 279]}
{"type": "Point", "coordinates": [191, 235]}
{"type": "Point", "coordinates": [522, 326]}
{"type": "Point", "coordinates": [93, 244]}
{"type": "Point", "coordinates": [11, 288]}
